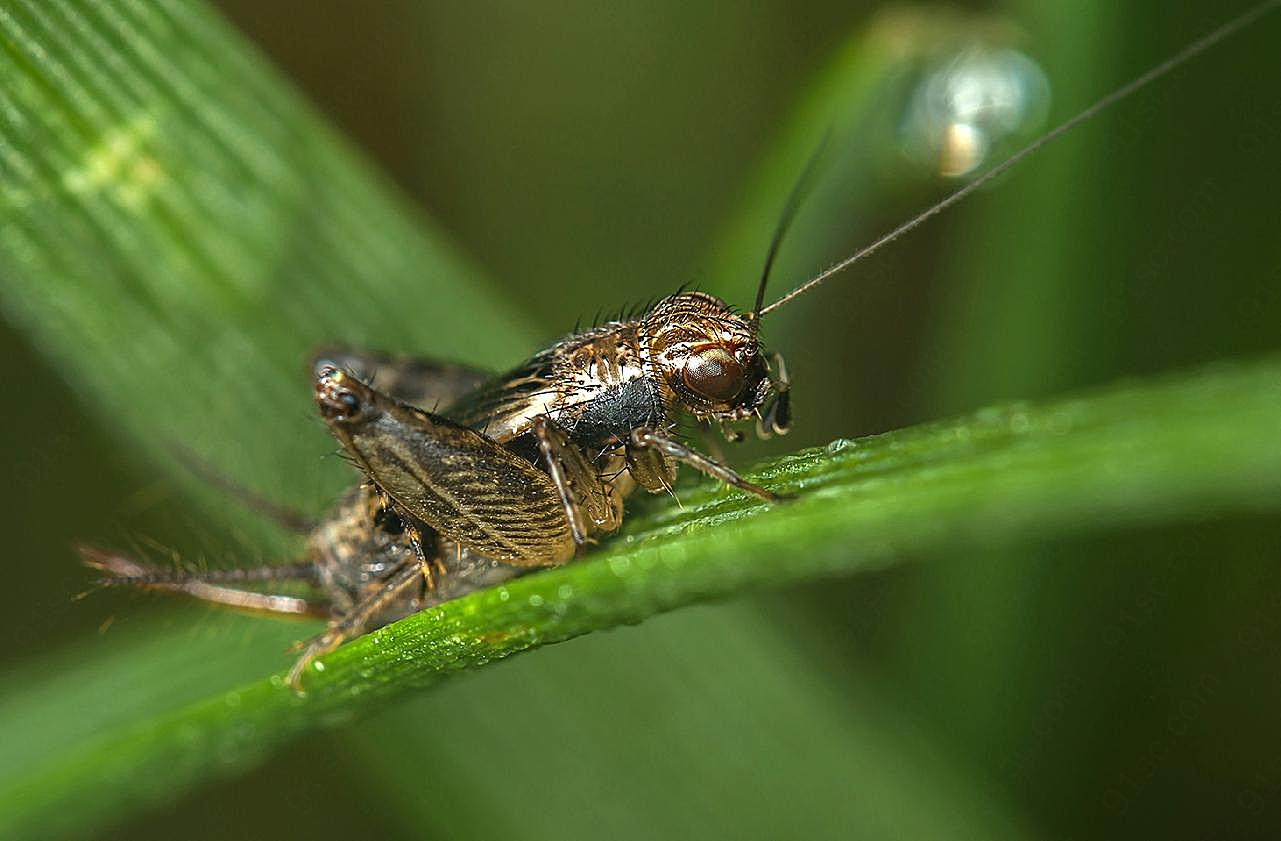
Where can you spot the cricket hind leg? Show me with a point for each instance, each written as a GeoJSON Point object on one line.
{"type": "Point", "coordinates": [210, 585]}
{"type": "Point", "coordinates": [353, 623]}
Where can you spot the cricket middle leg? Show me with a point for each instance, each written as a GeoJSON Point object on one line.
{"type": "Point", "coordinates": [644, 438]}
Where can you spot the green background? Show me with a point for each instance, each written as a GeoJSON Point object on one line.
{"type": "Point", "coordinates": [586, 156]}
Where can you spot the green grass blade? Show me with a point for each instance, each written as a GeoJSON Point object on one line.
{"type": "Point", "coordinates": [1138, 453]}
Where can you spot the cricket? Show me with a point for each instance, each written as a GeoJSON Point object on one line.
{"type": "Point", "coordinates": [467, 479]}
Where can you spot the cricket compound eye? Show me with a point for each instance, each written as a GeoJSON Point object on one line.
{"type": "Point", "coordinates": [714, 374]}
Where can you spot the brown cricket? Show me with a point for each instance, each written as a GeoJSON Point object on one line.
{"type": "Point", "coordinates": [506, 473]}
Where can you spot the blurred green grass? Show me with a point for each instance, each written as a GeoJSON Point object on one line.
{"type": "Point", "coordinates": [1142, 247]}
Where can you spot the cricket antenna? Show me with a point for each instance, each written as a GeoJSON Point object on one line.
{"type": "Point", "coordinates": [794, 198]}
{"type": "Point", "coordinates": [1175, 61]}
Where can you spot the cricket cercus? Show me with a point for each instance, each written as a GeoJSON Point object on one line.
{"type": "Point", "coordinates": [506, 474]}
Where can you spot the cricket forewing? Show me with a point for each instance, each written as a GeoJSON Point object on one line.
{"type": "Point", "coordinates": [453, 478]}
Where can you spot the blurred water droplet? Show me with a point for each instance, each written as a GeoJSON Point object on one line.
{"type": "Point", "coordinates": [970, 104]}
{"type": "Point", "coordinates": [838, 446]}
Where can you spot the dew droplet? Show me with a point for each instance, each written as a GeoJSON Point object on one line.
{"type": "Point", "coordinates": [969, 104]}
{"type": "Point", "coordinates": [839, 446]}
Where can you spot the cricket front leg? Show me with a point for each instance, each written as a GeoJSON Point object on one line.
{"type": "Point", "coordinates": [466, 486]}
{"type": "Point", "coordinates": [645, 438]}
{"type": "Point", "coordinates": [777, 419]}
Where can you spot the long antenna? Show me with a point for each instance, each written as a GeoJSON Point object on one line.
{"type": "Point", "coordinates": [1185, 55]}
{"type": "Point", "coordinates": [794, 198]}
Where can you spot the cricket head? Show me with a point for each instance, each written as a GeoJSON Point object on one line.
{"type": "Point", "coordinates": [710, 358]}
